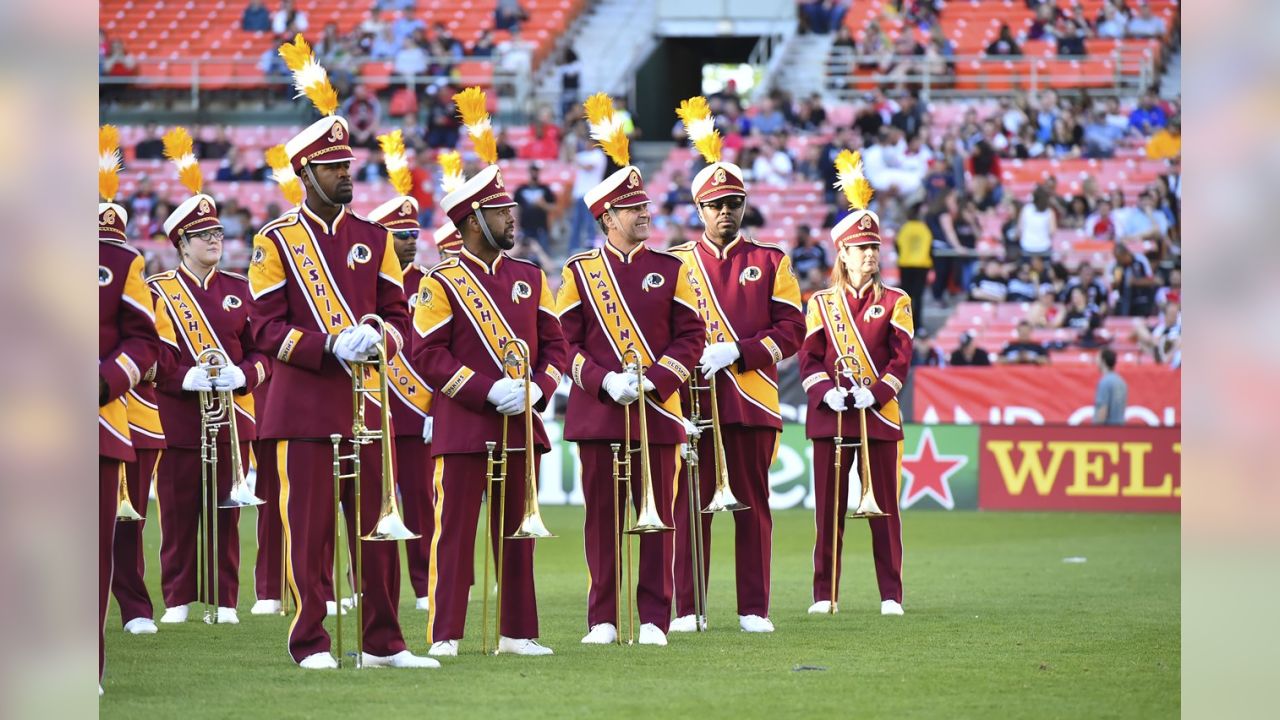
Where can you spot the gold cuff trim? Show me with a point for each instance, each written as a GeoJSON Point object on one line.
{"type": "Point", "coordinates": [775, 352]}
{"type": "Point", "coordinates": [456, 382]}
{"type": "Point", "coordinates": [674, 366]}
{"type": "Point", "coordinates": [289, 345]}
{"type": "Point", "coordinates": [814, 379]}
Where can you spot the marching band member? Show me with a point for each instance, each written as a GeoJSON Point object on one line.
{"type": "Point", "coordinates": [127, 345]}
{"type": "Point", "coordinates": [199, 307]}
{"type": "Point", "coordinates": [468, 307]}
{"type": "Point", "coordinates": [750, 299]}
{"type": "Point", "coordinates": [411, 410]}
{"type": "Point", "coordinates": [626, 296]}
{"type": "Point", "coordinates": [314, 272]}
{"type": "Point", "coordinates": [857, 315]}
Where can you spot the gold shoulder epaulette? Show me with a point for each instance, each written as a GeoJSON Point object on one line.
{"type": "Point", "coordinates": [165, 275]}
{"type": "Point", "coordinates": [582, 255]}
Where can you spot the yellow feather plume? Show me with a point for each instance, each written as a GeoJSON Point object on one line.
{"type": "Point", "coordinates": [606, 128]}
{"type": "Point", "coordinates": [108, 162]}
{"type": "Point", "coordinates": [695, 113]}
{"type": "Point", "coordinates": [282, 173]}
{"type": "Point", "coordinates": [852, 182]}
{"type": "Point", "coordinates": [451, 177]}
{"type": "Point", "coordinates": [178, 148]}
{"type": "Point", "coordinates": [472, 109]}
{"type": "Point", "coordinates": [309, 76]}
{"type": "Point", "coordinates": [393, 157]}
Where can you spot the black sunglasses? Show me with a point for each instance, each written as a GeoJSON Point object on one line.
{"type": "Point", "coordinates": [406, 234]}
{"type": "Point", "coordinates": [733, 203]}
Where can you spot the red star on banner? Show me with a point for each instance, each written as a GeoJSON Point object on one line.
{"type": "Point", "coordinates": [928, 473]}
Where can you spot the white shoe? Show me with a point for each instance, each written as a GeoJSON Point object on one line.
{"type": "Point", "coordinates": [265, 607]}
{"type": "Point", "coordinates": [890, 607]}
{"type": "Point", "coordinates": [755, 623]}
{"type": "Point", "coordinates": [228, 616]}
{"type": "Point", "coordinates": [424, 603]}
{"type": "Point", "coordinates": [331, 607]}
{"type": "Point", "coordinates": [651, 635]}
{"type": "Point", "coordinates": [822, 607]}
{"type": "Point", "coordinates": [602, 634]}
{"type": "Point", "coordinates": [685, 623]}
{"type": "Point", "coordinates": [99, 689]}
{"type": "Point", "coordinates": [444, 648]}
{"type": "Point", "coordinates": [402, 659]}
{"type": "Point", "coordinates": [522, 646]}
{"type": "Point", "coordinates": [174, 614]}
{"type": "Point", "coordinates": [141, 626]}
{"type": "Point", "coordinates": [319, 661]}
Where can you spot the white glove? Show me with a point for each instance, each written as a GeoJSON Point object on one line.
{"type": "Point", "coordinates": [631, 383]}
{"type": "Point", "coordinates": [229, 378]}
{"type": "Point", "coordinates": [718, 356]}
{"type": "Point", "coordinates": [501, 391]}
{"type": "Point", "coordinates": [834, 398]}
{"type": "Point", "coordinates": [514, 404]}
{"type": "Point", "coordinates": [363, 338]}
{"type": "Point", "coordinates": [196, 380]}
{"type": "Point", "coordinates": [427, 426]}
{"type": "Point", "coordinates": [620, 388]}
{"type": "Point", "coordinates": [862, 398]}
{"type": "Point", "coordinates": [690, 429]}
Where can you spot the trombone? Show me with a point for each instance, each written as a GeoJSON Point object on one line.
{"type": "Point", "coordinates": [390, 524]}
{"type": "Point", "coordinates": [722, 500]}
{"type": "Point", "coordinates": [647, 518]}
{"type": "Point", "coordinates": [217, 410]}
{"type": "Point", "coordinates": [847, 366]}
{"type": "Point", "coordinates": [516, 358]}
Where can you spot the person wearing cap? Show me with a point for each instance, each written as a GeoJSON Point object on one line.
{"type": "Point", "coordinates": [619, 297]}
{"type": "Point", "coordinates": [469, 307]}
{"type": "Point", "coordinates": [128, 346]}
{"type": "Point", "coordinates": [749, 297]}
{"type": "Point", "coordinates": [861, 316]}
{"type": "Point", "coordinates": [410, 412]}
{"type": "Point", "coordinates": [199, 307]}
{"type": "Point", "coordinates": [314, 273]}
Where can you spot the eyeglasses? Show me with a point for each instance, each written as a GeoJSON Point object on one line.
{"type": "Point", "coordinates": [733, 203]}
{"type": "Point", "coordinates": [209, 236]}
{"type": "Point", "coordinates": [406, 234]}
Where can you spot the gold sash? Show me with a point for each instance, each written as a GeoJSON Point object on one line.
{"type": "Point", "coordinates": [843, 335]}
{"type": "Point", "coordinates": [481, 310]}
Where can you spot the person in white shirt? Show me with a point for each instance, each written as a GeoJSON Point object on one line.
{"type": "Point", "coordinates": [589, 164]}
{"type": "Point", "coordinates": [1146, 24]}
{"type": "Point", "coordinates": [1036, 225]}
{"type": "Point", "coordinates": [288, 19]}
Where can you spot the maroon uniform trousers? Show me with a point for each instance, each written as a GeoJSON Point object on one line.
{"type": "Point", "coordinates": [128, 581]}
{"type": "Point", "coordinates": [267, 566]}
{"type": "Point", "coordinates": [655, 581]}
{"type": "Point", "coordinates": [413, 476]}
{"type": "Point", "coordinates": [459, 484]}
{"type": "Point", "coordinates": [748, 453]}
{"type": "Point", "coordinates": [181, 517]}
{"type": "Point", "coordinates": [109, 479]}
{"type": "Point", "coordinates": [305, 469]}
{"type": "Point", "coordinates": [886, 533]}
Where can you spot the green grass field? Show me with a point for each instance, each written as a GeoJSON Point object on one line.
{"type": "Point", "coordinates": [997, 625]}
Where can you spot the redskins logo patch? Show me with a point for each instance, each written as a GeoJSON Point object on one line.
{"type": "Point", "coordinates": [104, 274]}
{"type": "Point", "coordinates": [652, 280]}
{"type": "Point", "coordinates": [109, 217]}
{"type": "Point", "coordinates": [865, 223]}
{"type": "Point", "coordinates": [407, 208]}
{"type": "Point", "coordinates": [337, 133]}
{"type": "Point", "coordinates": [231, 302]}
{"type": "Point", "coordinates": [873, 312]}
{"type": "Point", "coordinates": [719, 178]}
{"type": "Point", "coordinates": [259, 256]}
{"type": "Point", "coordinates": [204, 208]}
{"type": "Point", "coordinates": [634, 180]}
{"type": "Point", "coordinates": [423, 297]}
{"type": "Point", "coordinates": [497, 180]}
{"type": "Point", "coordinates": [751, 274]}
{"type": "Point", "coordinates": [360, 253]}
{"type": "Point", "coordinates": [520, 290]}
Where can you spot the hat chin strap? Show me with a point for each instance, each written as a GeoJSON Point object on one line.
{"type": "Point", "coordinates": [316, 186]}
{"type": "Point", "coordinates": [484, 228]}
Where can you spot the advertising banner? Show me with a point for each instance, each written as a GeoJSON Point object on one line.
{"type": "Point", "coordinates": [1117, 469]}
{"type": "Point", "coordinates": [1012, 395]}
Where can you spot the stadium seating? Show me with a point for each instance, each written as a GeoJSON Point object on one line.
{"type": "Point", "coordinates": [993, 325]}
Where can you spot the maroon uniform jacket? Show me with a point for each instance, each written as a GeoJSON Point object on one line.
{"type": "Point", "coordinates": [876, 332]}
{"type": "Point", "coordinates": [412, 394]}
{"type": "Point", "coordinates": [310, 280]}
{"type": "Point", "coordinates": [748, 294]}
{"type": "Point", "coordinates": [127, 342]}
{"type": "Point", "coordinates": [193, 316]}
{"type": "Point", "coordinates": [466, 312]}
{"type": "Point", "coordinates": [609, 302]}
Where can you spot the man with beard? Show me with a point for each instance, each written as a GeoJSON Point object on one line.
{"type": "Point", "coordinates": [469, 308]}
{"type": "Point", "coordinates": [749, 298]}
{"type": "Point", "coordinates": [315, 271]}
{"type": "Point", "coordinates": [618, 298]}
